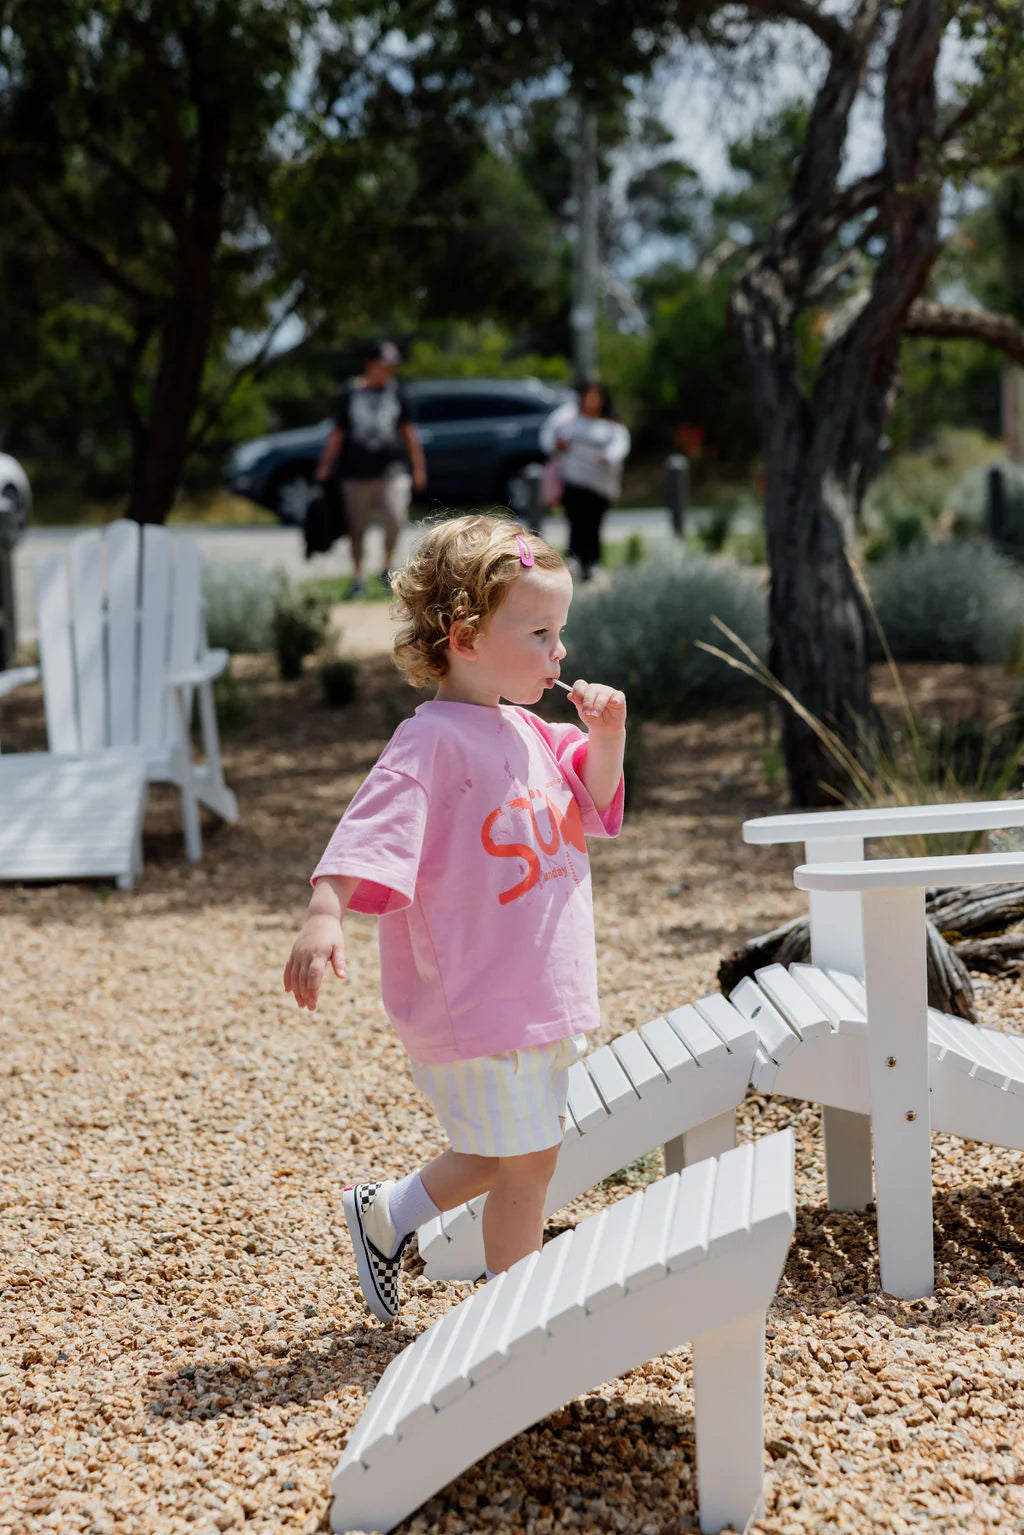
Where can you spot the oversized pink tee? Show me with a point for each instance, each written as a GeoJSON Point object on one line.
{"type": "Point", "coordinates": [468, 839]}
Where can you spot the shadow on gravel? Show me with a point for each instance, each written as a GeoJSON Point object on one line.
{"type": "Point", "coordinates": [979, 1236]}
{"type": "Point", "coordinates": [300, 1372]}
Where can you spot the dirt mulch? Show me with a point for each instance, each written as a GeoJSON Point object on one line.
{"type": "Point", "coordinates": [182, 1345]}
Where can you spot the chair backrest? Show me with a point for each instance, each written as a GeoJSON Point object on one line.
{"type": "Point", "coordinates": [116, 612]}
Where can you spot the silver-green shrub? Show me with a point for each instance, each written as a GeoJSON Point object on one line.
{"type": "Point", "coordinates": [240, 604]}
{"type": "Point", "coordinates": [639, 632]}
{"type": "Point", "coordinates": [949, 602]}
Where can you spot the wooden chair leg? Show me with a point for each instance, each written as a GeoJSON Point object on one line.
{"type": "Point", "coordinates": [728, 1388]}
{"type": "Point", "coordinates": [848, 1166]}
{"type": "Point", "coordinates": [707, 1140]}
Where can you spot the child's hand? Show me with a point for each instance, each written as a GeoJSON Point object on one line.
{"type": "Point", "coordinates": [602, 709]}
{"type": "Point", "coordinates": [320, 943]}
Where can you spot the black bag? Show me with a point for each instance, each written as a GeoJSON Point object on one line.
{"type": "Point", "coordinates": [325, 519]}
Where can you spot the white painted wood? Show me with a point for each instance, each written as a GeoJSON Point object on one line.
{"type": "Point", "coordinates": [889, 821]}
{"type": "Point", "coordinates": [672, 1282]}
{"type": "Point", "coordinates": [87, 582]}
{"type": "Point", "coordinates": [728, 1389]}
{"type": "Point", "coordinates": [123, 653]}
{"type": "Point", "coordinates": [709, 1139]}
{"type": "Point", "coordinates": [70, 818]}
{"type": "Point", "coordinates": [836, 937]}
{"type": "Point", "coordinates": [123, 631]}
{"type": "Point", "coordinates": [653, 1106]}
{"type": "Point", "coordinates": [776, 1034]}
{"type": "Point", "coordinates": [911, 873]}
{"type": "Point", "coordinates": [849, 1167]}
{"type": "Point", "coordinates": [60, 695]}
{"type": "Point", "coordinates": [897, 1007]}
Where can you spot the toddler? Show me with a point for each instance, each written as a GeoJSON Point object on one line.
{"type": "Point", "coordinates": [468, 840]}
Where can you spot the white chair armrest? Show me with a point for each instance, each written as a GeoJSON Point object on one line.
{"type": "Point", "coordinates": [901, 873]}
{"type": "Point", "coordinates": [205, 669]}
{"type": "Point", "coordinates": [892, 821]}
{"type": "Point", "coordinates": [18, 677]}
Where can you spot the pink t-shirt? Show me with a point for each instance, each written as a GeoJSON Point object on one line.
{"type": "Point", "coordinates": [468, 838]}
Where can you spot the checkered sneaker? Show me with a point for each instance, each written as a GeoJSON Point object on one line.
{"type": "Point", "coordinates": [373, 1236]}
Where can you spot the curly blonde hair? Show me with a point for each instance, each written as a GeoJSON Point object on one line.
{"type": "Point", "coordinates": [463, 570]}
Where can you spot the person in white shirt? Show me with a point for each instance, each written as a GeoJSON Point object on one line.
{"type": "Point", "coordinates": [591, 445]}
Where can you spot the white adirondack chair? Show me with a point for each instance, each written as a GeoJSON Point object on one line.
{"type": "Point", "coordinates": [811, 1042]}
{"type": "Point", "coordinates": [914, 1068]}
{"type": "Point", "coordinates": [122, 655]}
{"type": "Point", "coordinates": [696, 1256]}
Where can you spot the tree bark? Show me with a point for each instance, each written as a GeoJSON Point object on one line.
{"type": "Point", "coordinates": [820, 440]}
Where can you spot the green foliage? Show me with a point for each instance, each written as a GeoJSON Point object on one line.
{"type": "Point", "coordinates": [240, 604]}
{"type": "Point", "coordinates": [950, 602]}
{"type": "Point", "coordinates": [340, 681]}
{"type": "Point", "coordinates": [484, 350]}
{"type": "Point", "coordinates": [300, 624]}
{"type": "Point", "coordinates": [697, 373]}
{"type": "Point", "coordinates": [640, 632]}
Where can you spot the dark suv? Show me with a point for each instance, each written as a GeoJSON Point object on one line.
{"type": "Point", "coordinates": [478, 435]}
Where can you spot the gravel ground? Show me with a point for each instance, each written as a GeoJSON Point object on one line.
{"type": "Point", "coordinates": [182, 1344]}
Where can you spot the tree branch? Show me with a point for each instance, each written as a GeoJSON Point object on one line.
{"type": "Point", "coordinates": [951, 322]}
{"type": "Point", "coordinates": [88, 251]}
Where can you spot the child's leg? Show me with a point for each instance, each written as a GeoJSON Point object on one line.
{"type": "Point", "coordinates": [513, 1219]}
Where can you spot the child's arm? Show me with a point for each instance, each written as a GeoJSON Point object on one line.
{"type": "Point", "coordinates": [320, 942]}
{"type": "Point", "coordinates": [603, 711]}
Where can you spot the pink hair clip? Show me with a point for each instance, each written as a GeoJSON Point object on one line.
{"type": "Point", "coordinates": [525, 552]}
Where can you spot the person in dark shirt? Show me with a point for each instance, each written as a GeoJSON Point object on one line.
{"type": "Point", "coordinates": [369, 451]}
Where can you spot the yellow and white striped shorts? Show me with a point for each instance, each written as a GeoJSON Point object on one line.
{"type": "Point", "coordinates": [503, 1105]}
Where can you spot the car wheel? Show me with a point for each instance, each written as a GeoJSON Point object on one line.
{"type": "Point", "coordinates": [293, 490]}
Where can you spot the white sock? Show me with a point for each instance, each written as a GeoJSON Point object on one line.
{"type": "Point", "coordinates": [410, 1207]}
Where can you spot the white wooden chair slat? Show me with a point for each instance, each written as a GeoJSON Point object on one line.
{"type": "Point", "coordinates": [667, 1048]}
{"type": "Point", "coordinates": [965, 1050]}
{"type": "Point", "coordinates": [454, 1376]}
{"type": "Point", "coordinates": [798, 1008]}
{"type": "Point", "coordinates": [85, 563]}
{"type": "Point", "coordinates": [585, 1102]}
{"type": "Point", "coordinates": [777, 1035]}
{"type": "Point", "coordinates": [60, 698]}
{"type": "Point", "coordinates": [989, 1063]}
{"type": "Point", "coordinates": [843, 1012]}
{"type": "Point", "coordinates": [413, 1448]}
{"type": "Point", "coordinates": [418, 1387]}
{"type": "Point", "coordinates": [638, 1063]}
{"type": "Point", "coordinates": [646, 1258]}
{"type": "Point", "coordinates": [696, 1030]}
{"type": "Point", "coordinates": [609, 1078]}
{"type": "Point", "coordinates": [733, 1199]}
{"type": "Point", "coordinates": [689, 1231]}
{"type": "Point", "coordinates": [1000, 1048]}
{"type": "Point", "coordinates": [606, 1280]}
{"type": "Point", "coordinates": [852, 986]}
{"type": "Point", "coordinates": [728, 1024]}
{"type": "Point", "coordinates": [490, 1349]}
{"type": "Point", "coordinates": [530, 1325]}
{"type": "Point", "coordinates": [569, 1297]}
{"type": "Point", "coordinates": [122, 632]}
{"type": "Point", "coordinates": [154, 639]}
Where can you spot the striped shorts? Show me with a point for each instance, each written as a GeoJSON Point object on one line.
{"type": "Point", "coordinates": [503, 1105]}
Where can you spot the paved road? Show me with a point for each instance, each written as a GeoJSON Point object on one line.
{"type": "Point", "coordinates": [281, 548]}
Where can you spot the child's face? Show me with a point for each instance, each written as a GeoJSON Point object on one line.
{"type": "Point", "coordinates": [521, 649]}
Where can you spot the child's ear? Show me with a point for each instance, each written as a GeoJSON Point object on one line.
{"type": "Point", "coordinates": [462, 639]}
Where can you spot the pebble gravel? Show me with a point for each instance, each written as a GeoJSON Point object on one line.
{"type": "Point", "coordinates": [182, 1343]}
